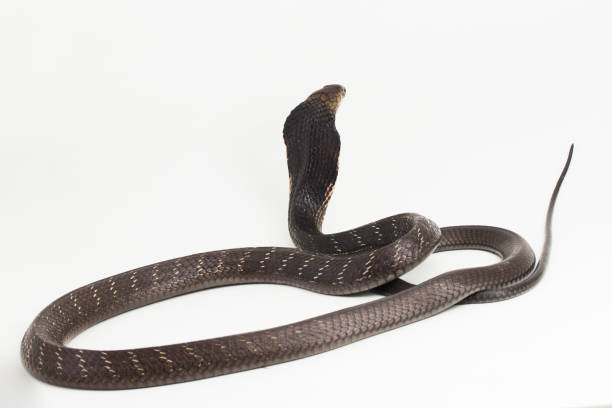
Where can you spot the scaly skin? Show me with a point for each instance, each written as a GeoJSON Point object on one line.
{"type": "Point", "coordinates": [353, 261]}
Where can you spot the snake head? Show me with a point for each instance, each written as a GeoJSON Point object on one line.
{"type": "Point", "coordinates": [330, 95]}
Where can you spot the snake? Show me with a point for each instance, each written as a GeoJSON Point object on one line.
{"type": "Point", "coordinates": [369, 258]}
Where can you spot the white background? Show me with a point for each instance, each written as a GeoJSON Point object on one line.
{"type": "Point", "coordinates": [137, 131]}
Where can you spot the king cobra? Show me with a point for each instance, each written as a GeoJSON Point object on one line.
{"type": "Point", "coordinates": [370, 257]}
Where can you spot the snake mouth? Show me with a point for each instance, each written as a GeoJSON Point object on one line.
{"type": "Point", "coordinates": [330, 95]}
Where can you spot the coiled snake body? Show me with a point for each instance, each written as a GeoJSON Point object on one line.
{"type": "Point", "coordinates": [370, 257]}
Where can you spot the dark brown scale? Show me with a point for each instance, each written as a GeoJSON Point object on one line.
{"type": "Point", "coordinates": [365, 258]}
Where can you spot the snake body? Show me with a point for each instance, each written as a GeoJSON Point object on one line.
{"type": "Point", "coordinates": [370, 257]}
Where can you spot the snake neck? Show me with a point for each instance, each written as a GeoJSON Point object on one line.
{"type": "Point", "coordinates": [313, 148]}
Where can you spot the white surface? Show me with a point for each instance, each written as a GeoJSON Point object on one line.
{"type": "Point", "coordinates": [136, 131]}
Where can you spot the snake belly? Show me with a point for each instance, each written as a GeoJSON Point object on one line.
{"type": "Point", "coordinates": [370, 257]}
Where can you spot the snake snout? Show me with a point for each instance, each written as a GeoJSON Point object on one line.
{"type": "Point", "coordinates": [331, 89]}
{"type": "Point", "coordinates": [335, 88]}
{"type": "Point", "coordinates": [331, 95]}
